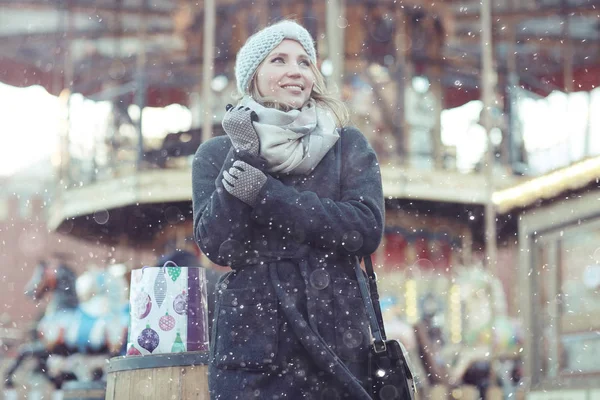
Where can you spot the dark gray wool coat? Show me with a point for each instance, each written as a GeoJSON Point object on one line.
{"type": "Point", "coordinates": [290, 322]}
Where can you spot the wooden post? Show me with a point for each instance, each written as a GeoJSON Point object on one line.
{"type": "Point", "coordinates": [336, 23]}
{"type": "Point", "coordinates": [207, 67]}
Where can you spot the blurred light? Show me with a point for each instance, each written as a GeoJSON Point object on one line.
{"type": "Point", "coordinates": [64, 95]}
{"type": "Point", "coordinates": [420, 84]}
{"type": "Point", "coordinates": [496, 136]}
{"type": "Point", "coordinates": [411, 301]}
{"type": "Point", "coordinates": [219, 83]}
{"type": "Point", "coordinates": [327, 67]}
{"type": "Point", "coordinates": [342, 22]}
{"type": "Point", "coordinates": [591, 276]}
{"type": "Point", "coordinates": [455, 314]}
{"type": "Point", "coordinates": [388, 60]}
{"type": "Point", "coordinates": [117, 269]}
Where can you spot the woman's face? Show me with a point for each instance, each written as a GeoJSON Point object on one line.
{"type": "Point", "coordinates": [285, 75]}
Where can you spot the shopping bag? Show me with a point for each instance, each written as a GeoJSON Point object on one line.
{"type": "Point", "coordinates": [168, 310]}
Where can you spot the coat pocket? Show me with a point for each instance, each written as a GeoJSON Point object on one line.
{"type": "Point", "coordinates": [352, 330]}
{"type": "Point", "coordinates": [246, 335]}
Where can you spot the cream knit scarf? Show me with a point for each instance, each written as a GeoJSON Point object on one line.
{"type": "Point", "coordinates": [294, 141]}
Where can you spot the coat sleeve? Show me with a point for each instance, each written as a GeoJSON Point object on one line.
{"type": "Point", "coordinates": [221, 222]}
{"type": "Point", "coordinates": [352, 225]}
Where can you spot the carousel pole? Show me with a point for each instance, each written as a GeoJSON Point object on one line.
{"type": "Point", "coordinates": [208, 55]}
{"type": "Point", "coordinates": [488, 84]}
{"type": "Point", "coordinates": [208, 67]}
{"type": "Point", "coordinates": [567, 53]}
{"type": "Point", "coordinates": [403, 76]}
{"type": "Point", "coordinates": [140, 93]}
{"type": "Point", "coordinates": [65, 94]}
{"type": "Point", "coordinates": [335, 43]}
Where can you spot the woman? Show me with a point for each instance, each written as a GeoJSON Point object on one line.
{"type": "Point", "coordinates": [289, 198]}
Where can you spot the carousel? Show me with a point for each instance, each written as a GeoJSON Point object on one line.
{"type": "Point", "coordinates": [123, 175]}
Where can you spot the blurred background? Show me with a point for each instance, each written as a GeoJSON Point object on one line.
{"type": "Point", "coordinates": [485, 116]}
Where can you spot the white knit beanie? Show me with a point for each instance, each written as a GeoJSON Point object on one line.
{"type": "Point", "coordinates": [259, 45]}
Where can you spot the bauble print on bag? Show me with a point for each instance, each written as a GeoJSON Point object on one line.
{"type": "Point", "coordinates": [168, 310]}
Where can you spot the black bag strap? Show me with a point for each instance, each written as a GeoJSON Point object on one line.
{"type": "Point", "coordinates": [369, 292]}
{"type": "Point", "coordinates": [370, 297]}
{"type": "Point", "coordinates": [374, 293]}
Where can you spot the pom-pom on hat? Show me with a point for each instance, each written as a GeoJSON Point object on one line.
{"type": "Point", "coordinates": [259, 45]}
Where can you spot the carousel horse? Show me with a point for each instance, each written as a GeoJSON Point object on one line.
{"type": "Point", "coordinates": [436, 362]}
{"type": "Point", "coordinates": [487, 329]}
{"type": "Point", "coordinates": [467, 366]}
{"type": "Point", "coordinates": [95, 327]}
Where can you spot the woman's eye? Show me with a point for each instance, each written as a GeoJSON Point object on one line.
{"type": "Point", "coordinates": [304, 63]}
{"type": "Point", "coordinates": [277, 60]}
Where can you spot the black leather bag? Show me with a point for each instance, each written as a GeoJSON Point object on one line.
{"type": "Point", "coordinates": [390, 374]}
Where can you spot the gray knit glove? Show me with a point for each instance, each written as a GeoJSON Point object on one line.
{"type": "Point", "coordinates": [238, 126]}
{"type": "Point", "coordinates": [244, 181]}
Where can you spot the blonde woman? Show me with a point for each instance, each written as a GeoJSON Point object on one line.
{"type": "Point", "coordinates": [289, 199]}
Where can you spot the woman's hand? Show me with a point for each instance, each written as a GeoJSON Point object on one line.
{"type": "Point", "coordinates": [244, 182]}
{"type": "Point", "coordinates": [237, 123]}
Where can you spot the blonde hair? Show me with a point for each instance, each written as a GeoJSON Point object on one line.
{"type": "Point", "coordinates": [320, 94]}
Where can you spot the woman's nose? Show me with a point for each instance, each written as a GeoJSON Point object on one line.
{"type": "Point", "coordinates": [293, 70]}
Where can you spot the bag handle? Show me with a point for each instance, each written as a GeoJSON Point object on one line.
{"type": "Point", "coordinates": [371, 301]}
{"type": "Point", "coordinates": [170, 262]}
{"type": "Point", "coordinates": [165, 265]}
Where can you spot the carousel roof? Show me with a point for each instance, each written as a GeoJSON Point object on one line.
{"type": "Point", "coordinates": [107, 35]}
